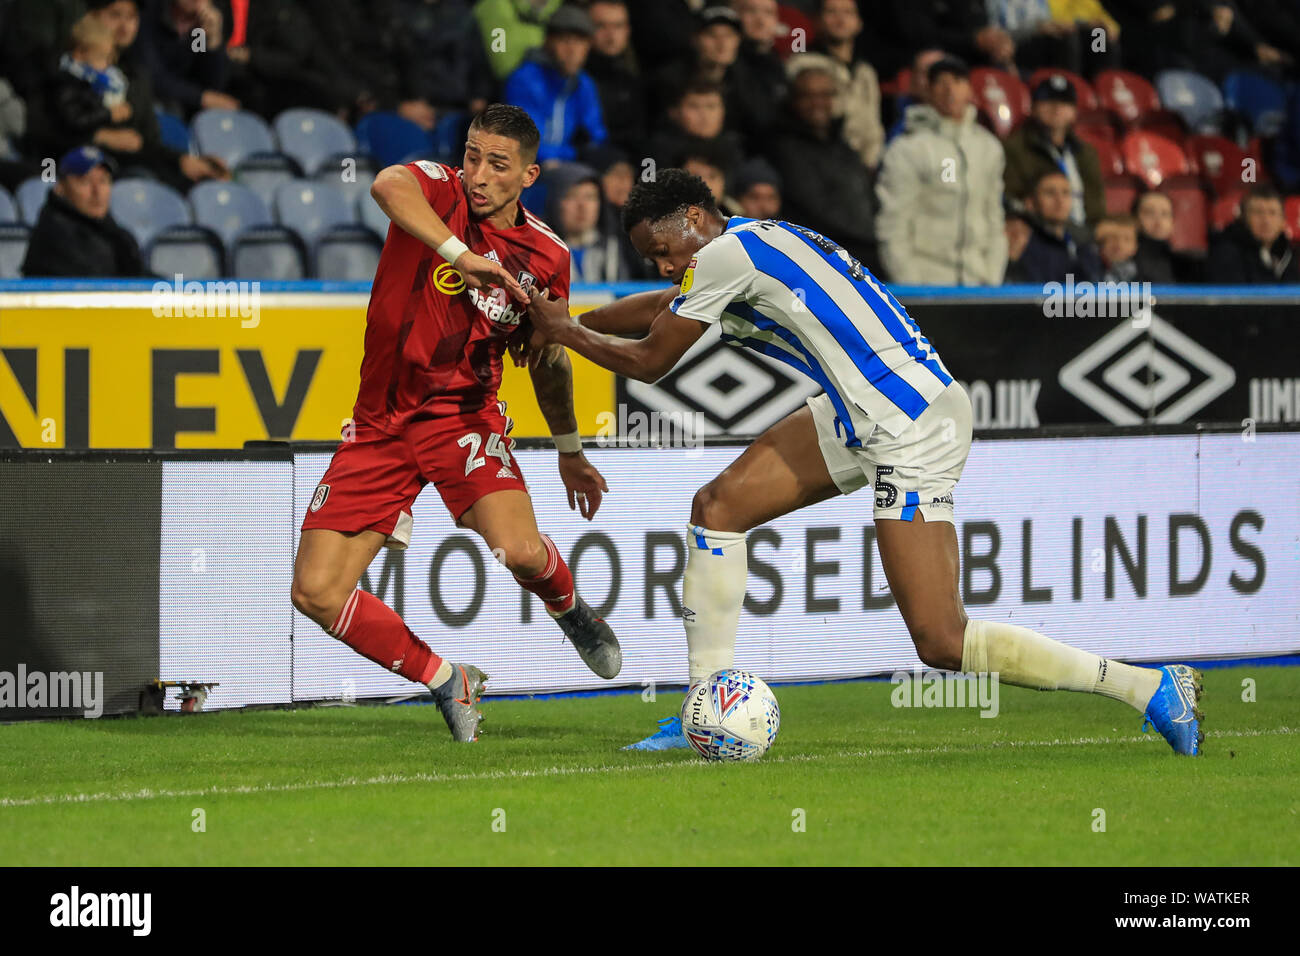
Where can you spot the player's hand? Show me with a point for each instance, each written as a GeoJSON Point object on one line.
{"type": "Point", "coordinates": [550, 316]}
{"type": "Point", "coordinates": [480, 271]}
{"type": "Point", "coordinates": [585, 485]}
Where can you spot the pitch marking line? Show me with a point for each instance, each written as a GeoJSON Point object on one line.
{"type": "Point", "coordinates": [148, 794]}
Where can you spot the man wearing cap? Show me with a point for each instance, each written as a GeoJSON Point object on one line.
{"type": "Point", "coordinates": [940, 190]}
{"type": "Point", "coordinates": [1046, 141]}
{"type": "Point", "coordinates": [74, 234]}
{"type": "Point", "coordinates": [551, 87]}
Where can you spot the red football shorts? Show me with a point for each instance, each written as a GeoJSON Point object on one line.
{"type": "Point", "coordinates": [373, 480]}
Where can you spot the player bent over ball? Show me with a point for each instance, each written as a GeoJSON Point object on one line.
{"type": "Point", "coordinates": [890, 417]}
{"type": "Point", "coordinates": [449, 292]}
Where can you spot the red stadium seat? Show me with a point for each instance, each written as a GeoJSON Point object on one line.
{"type": "Point", "coordinates": [1125, 95]}
{"type": "Point", "coordinates": [1093, 125]}
{"type": "Point", "coordinates": [1218, 161]}
{"type": "Point", "coordinates": [1191, 212]}
{"type": "Point", "coordinates": [1292, 210]}
{"type": "Point", "coordinates": [1002, 98]}
{"type": "Point", "coordinates": [1121, 191]}
{"type": "Point", "coordinates": [898, 84]}
{"type": "Point", "coordinates": [1225, 209]}
{"type": "Point", "coordinates": [1086, 96]}
{"type": "Point", "coordinates": [1152, 157]}
{"type": "Point", "coordinates": [1163, 123]}
{"type": "Point", "coordinates": [1108, 154]}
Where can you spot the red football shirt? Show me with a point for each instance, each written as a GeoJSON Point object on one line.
{"type": "Point", "coordinates": [433, 346]}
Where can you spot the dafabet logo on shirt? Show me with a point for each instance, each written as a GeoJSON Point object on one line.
{"type": "Point", "coordinates": [448, 280]}
{"type": "Point", "coordinates": [689, 275]}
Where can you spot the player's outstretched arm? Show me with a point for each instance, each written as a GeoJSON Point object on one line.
{"type": "Point", "coordinates": [647, 359]}
{"type": "Point", "coordinates": [630, 315]}
{"type": "Point", "coordinates": [552, 376]}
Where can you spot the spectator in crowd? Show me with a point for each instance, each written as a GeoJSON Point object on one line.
{"type": "Point", "coordinates": [1053, 252]}
{"type": "Point", "coordinates": [1042, 39]}
{"type": "Point", "coordinates": [443, 66]}
{"type": "Point", "coordinates": [613, 66]}
{"type": "Point", "coordinates": [13, 120]}
{"type": "Point", "coordinates": [696, 122]}
{"type": "Point", "coordinates": [1255, 249]}
{"type": "Point", "coordinates": [1117, 243]}
{"type": "Point", "coordinates": [617, 177]}
{"type": "Point", "coordinates": [511, 28]}
{"type": "Point", "coordinates": [758, 190]}
{"type": "Point", "coordinates": [758, 75]}
{"type": "Point", "coordinates": [940, 189]}
{"type": "Point", "coordinates": [1046, 140]}
{"type": "Point", "coordinates": [961, 27]}
{"type": "Point", "coordinates": [715, 49]}
{"type": "Point", "coordinates": [35, 34]}
{"type": "Point", "coordinates": [710, 167]}
{"type": "Point", "coordinates": [1088, 17]}
{"type": "Point", "coordinates": [662, 30]}
{"type": "Point", "coordinates": [918, 86]}
{"type": "Point", "coordinates": [185, 80]}
{"type": "Point", "coordinates": [1208, 36]}
{"type": "Point", "coordinates": [827, 187]}
{"type": "Point", "coordinates": [574, 209]}
{"type": "Point", "coordinates": [75, 235]}
{"type": "Point", "coordinates": [86, 94]}
{"type": "Point", "coordinates": [1279, 20]}
{"type": "Point", "coordinates": [858, 97]}
{"type": "Point", "coordinates": [552, 88]}
{"type": "Point", "coordinates": [1156, 260]}
{"type": "Point", "coordinates": [1018, 229]}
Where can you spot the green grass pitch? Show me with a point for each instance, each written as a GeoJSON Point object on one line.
{"type": "Point", "coordinates": [547, 784]}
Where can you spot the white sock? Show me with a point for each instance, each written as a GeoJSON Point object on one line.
{"type": "Point", "coordinates": [713, 592]}
{"type": "Point", "coordinates": [1028, 659]}
{"type": "Point", "coordinates": [440, 676]}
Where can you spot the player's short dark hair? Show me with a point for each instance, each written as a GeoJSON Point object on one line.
{"type": "Point", "coordinates": [671, 192]}
{"type": "Point", "coordinates": [502, 119]}
{"type": "Point", "coordinates": [698, 86]}
{"type": "Point", "coordinates": [1264, 191]}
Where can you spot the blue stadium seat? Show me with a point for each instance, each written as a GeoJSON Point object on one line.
{"type": "Point", "coordinates": [313, 138]}
{"type": "Point", "coordinates": [348, 254]}
{"type": "Point", "coordinates": [234, 135]}
{"type": "Point", "coordinates": [175, 133]}
{"type": "Point", "coordinates": [264, 174]}
{"type": "Point", "coordinates": [1193, 97]}
{"type": "Point", "coordinates": [31, 197]}
{"type": "Point", "coordinates": [228, 208]}
{"type": "Point", "coordinates": [147, 208]}
{"type": "Point", "coordinates": [13, 249]}
{"type": "Point", "coordinates": [361, 175]}
{"type": "Point", "coordinates": [193, 252]}
{"type": "Point", "coordinates": [449, 137]}
{"type": "Point", "coordinates": [391, 138]}
{"type": "Point", "coordinates": [371, 216]}
{"type": "Point", "coordinates": [1259, 99]}
{"type": "Point", "coordinates": [269, 252]}
{"type": "Point", "coordinates": [8, 208]}
{"type": "Point", "coordinates": [311, 209]}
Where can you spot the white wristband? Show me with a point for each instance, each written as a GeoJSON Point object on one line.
{"type": "Point", "coordinates": [451, 249]}
{"type": "Point", "coordinates": [568, 444]}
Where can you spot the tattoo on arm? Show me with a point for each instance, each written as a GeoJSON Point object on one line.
{"type": "Point", "coordinates": [553, 384]}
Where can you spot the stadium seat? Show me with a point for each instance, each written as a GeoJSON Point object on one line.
{"type": "Point", "coordinates": [1193, 97]}
{"type": "Point", "coordinates": [228, 209]}
{"type": "Point", "coordinates": [1164, 123]}
{"type": "Point", "coordinates": [1225, 209]}
{"type": "Point", "coordinates": [194, 252]}
{"type": "Point", "coordinates": [234, 135]}
{"type": "Point", "coordinates": [1218, 161]}
{"type": "Point", "coordinates": [1259, 100]}
{"type": "Point", "coordinates": [1152, 157]}
{"type": "Point", "coordinates": [314, 138]}
{"type": "Point", "coordinates": [311, 209]}
{"type": "Point", "coordinates": [147, 207]}
{"type": "Point", "coordinates": [8, 208]}
{"type": "Point", "coordinates": [1191, 212]}
{"type": "Point", "coordinates": [362, 175]}
{"type": "Point", "coordinates": [1121, 191]}
{"type": "Point", "coordinates": [900, 85]}
{"type": "Point", "coordinates": [1085, 94]}
{"type": "Point", "coordinates": [266, 173]}
{"type": "Point", "coordinates": [269, 252]}
{"type": "Point", "coordinates": [449, 137]}
{"type": "Point", "coordinates": [1291, 209]}
{"type": "Point", "coordinates": [1002, 98]}
{"type": "Point", "coordinates": [348, 254]}
{"type": "Point", "coordinates": [13, 249]}
{"type": "Point", "coordinates": [1109, 156]}
{"type": "Point", "coordinates": [1094, 125]}
{"type": "Point", "coordinates": [31, 197]}
{"type": "Point", "coordinates": [391, 138]}
{"type": "Point", "coordinates": [1125, 95]}
{"type": "Point", "coordinates": [371, 216]}
{"type": "Point", "coordinates": [175, 133]}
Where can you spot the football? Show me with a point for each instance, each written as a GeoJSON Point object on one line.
{"type": "Point", "coordinates": [731, 716]}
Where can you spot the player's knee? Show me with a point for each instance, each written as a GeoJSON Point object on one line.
{"type": "Point", "coordinates": [316, 599]}
{"type": "Point", "coordinates": [525, 557]}
{"type": "Point", "coordinates": [709, 509]}
{"type": "Point", "coordinates": [939, 646]}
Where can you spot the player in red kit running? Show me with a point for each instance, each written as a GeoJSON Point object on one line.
{"type": "Point", "coordinates": [449, 293]}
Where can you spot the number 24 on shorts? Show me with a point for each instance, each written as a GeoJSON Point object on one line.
{"type": "Point", "coordinates": [496, 447]}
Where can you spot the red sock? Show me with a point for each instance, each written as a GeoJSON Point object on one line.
{"type": "Point", "coordinates": [373, 629]}
{"type": "Point", "coordinates": [554, 585]}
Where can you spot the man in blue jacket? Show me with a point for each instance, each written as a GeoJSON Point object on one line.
{"type": "Point", "coordinates": [552, 88]}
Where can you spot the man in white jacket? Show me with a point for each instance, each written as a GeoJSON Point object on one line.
{"type": "Point", "coordinates": [940, 190]}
